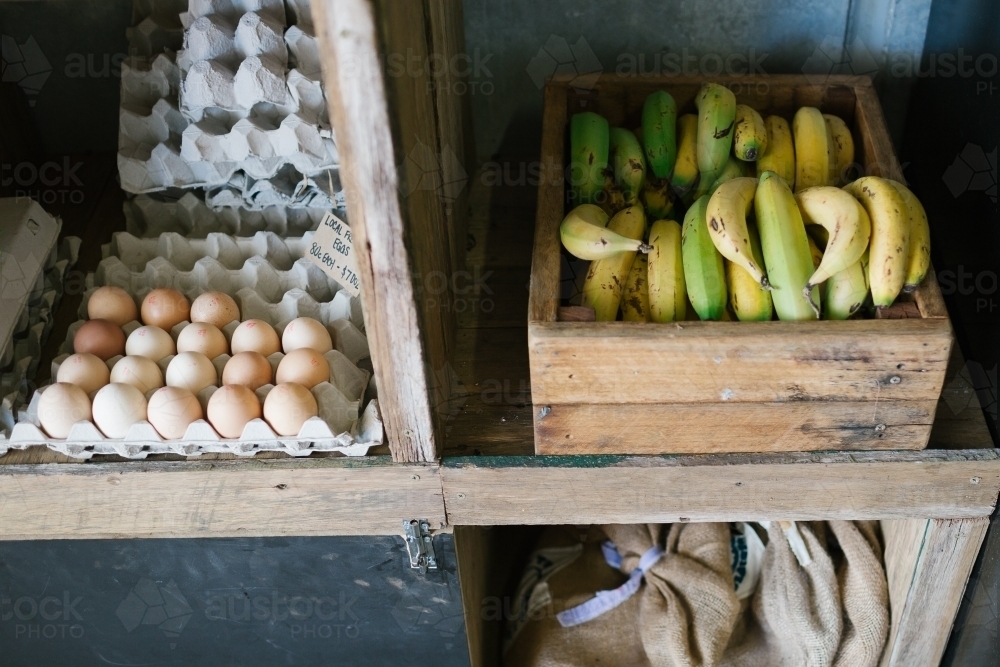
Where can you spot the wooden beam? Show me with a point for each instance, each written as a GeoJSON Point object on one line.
{"type": "Point", "coordinates": [732, 487]}
{"type": "Point", "coordinates": [359, 109]}
{"type": "Point", "coordinates": [216, 499]}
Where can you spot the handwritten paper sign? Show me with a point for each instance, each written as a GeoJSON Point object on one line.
{"type": "Point", "coordinates": [332, 249]}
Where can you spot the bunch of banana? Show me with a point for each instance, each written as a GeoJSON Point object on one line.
{"type": "Point", "coordinates": [749, 134]}
{"type": "Point", "coordinates": [667, 293]}
{"type": "Point", "coordinates": [628, 162]}
{"type": "Point", "coordinates": [585, 233]}
{"type": "Point", "coordinates": [659, 121]}
{"type": "Point", "coordinates": [589, 138]}
{"type": "Point", "coordinates": [846, 223]}
{"type": "Point", "coordinates": [716, 116]}
{"type": "Point", "coordinates": [603, 287]}
{"type": "Point", "coordinates": [779, 152]}
{"type": "Point", "coordinates": [786, 251]}
{"type": "Point", "coordinates": [814, 157]}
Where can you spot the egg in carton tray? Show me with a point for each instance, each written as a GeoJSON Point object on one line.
{"type": "Point", "coordinates": [228, 103]}
{"type": "Point", "coordinates": [342, 425]}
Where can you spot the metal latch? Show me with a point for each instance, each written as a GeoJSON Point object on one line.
{"type": "Point", "coordinates": [419, 545]}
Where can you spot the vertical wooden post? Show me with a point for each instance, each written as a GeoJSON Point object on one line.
{"type": "Point", "coordinates": [381, 106]}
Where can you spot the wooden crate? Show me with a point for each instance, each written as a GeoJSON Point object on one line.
{"type": "Point", "coordinates": [700, 387]}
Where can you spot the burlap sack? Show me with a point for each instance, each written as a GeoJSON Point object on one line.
{"type": "Point", "coordinates": [540, 641]}
{"type": "Point", "coordinates": [689, 605]}
{"type": "Point", "coordinates": [796, 615]}
{"type": "Point", "coordinates": [864, 594]}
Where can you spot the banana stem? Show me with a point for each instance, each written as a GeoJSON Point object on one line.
{"type": "Point", "coordinates": [645, 249]}
{"type": "Point", "coordinates": [765, 285]}
{"type": "Point", "coordinates": [807, 293]}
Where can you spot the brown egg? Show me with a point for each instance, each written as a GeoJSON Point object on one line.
{"type": "Point", "coordinates": [303, 366]}
{"type": "Point", "coordinates": [140, 372]}
{"type": "Point", "coordinates": [113, 304]}
{"type": "Point", "coordinates": [288, 406]}
{"type": "Point", "coordinates": [84, 370]}
{"type": "Point", "coordinates": [215, 308]}
{"type": "Point", "coordinates": [165, 307]}
{"type": "Point", "coordinates": [231, 408]}
{"type": "Point", "coordinates": [101, 338]}
{"type": "Point", "coordinates": [255, 336]}
{"type": "Point", "coordinates": [61, 406]}
{"type": "Point", "coordinates": [203, 337]}
{"type": "Point", "coordinates": [249, 369]}
{"type": "Point", "coordinates": [171, 410]}
{"type": "Point", "coordinates": [306, 332]}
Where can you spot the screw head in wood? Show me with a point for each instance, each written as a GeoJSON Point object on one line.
{"type": "Point", "coordinates": [879, 428]}
{"type": "Point", "coordinates": [895, 379]}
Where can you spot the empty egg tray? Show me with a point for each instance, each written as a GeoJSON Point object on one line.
{"type": "Point", "coordinates": [348, 421]}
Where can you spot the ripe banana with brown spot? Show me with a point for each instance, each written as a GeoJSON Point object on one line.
{"type": "Point", "coordinates": [890, 237]}
{"type": "Point", "coordinates": [628, 162]}
{"type": "Point", "coordinates": [843, 147]}
{"type": "Point", "coordinates": [635, 299]}
{"type": "Point", "coordinates": [814, 159]}
{"type": "Point", "coordinates": [919, 259]}
{"type": "Point", "coordinates": [749, 134]}
{"type": "Point", "coordinates": [658, 198]}
{"type": "Point", "coordinates": [605, 281]}
{"type": "Point", "coordinates": [749, 301]}
{"type": "Point", "coordinates": [716, 116]}
{"type": "Point", "coordinates": [686, 165]}
{"type": "Point", "coordinates": [845, 292]}
{"type": "Point", "coordinates": [667, 293]}
{"type": "Point", "coordinates": [726, 214]}
{"type": "Point", "coordinates": [779, 153]}
{"type": "Point", "coordinates": [584, 234]}
{"type": "Point", "coordinates": [846, 222]}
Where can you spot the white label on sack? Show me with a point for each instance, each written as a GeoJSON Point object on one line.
{"type": "Point", "coordinates": [532, 593]}
{"type": "Point", "coordinates": [332, 249]}
{"type": "Point", "coordinates": [748, 556]}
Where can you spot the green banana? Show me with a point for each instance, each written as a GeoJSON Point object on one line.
{"type": "Point", "coordinates": [584, 235]}
{"type": "Point", "coordinates": [628, 163]}
{"type": "Point", "coordinates": [716, 116]}
{"type": "Point", "coordinates": [749, 134]}
{"type": "Point", "coordinates": [589, 139]}
{"type": "Point", "coordinates": [704, 272]}
{"type": "Point", "coordinates": [659, 121]}
{"type": "Point", "coordinates": [786, 249]}
{"type": "Point", "coordinates": [844, 293]}
{"type": "Point", "coordinates": [667, 295]}
{"type": "Point", "coordinates": [602, 288]}
{"type": "Point", "coordinates": [749, 300]}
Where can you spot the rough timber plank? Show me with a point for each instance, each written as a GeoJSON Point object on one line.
{"type": "Point", "coordinates": [216, 499]}
{"type": "Point", "coordinates": [733, 487]}
{"type": "Point", "coordinates": [359, 109]}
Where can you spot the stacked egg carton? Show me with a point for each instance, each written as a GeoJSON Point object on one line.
{"type": "Point", "coordinates": [251, 270]}
{"type": "Point", "coordinates": [240, 111]}
{"type": "Point", "coordinates": [33, 267]}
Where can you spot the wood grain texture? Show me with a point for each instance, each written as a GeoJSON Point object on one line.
{"type": "Point", "coordinates": [359, 110]}
{"type": "Point", "coordinates": [216, 499]}
{"type": "Point", "coordinates": [879, 157]}
{"type": "Point", "coordinates": [472, 552]}
{"type": "Point", "coordinates": [732, 487]}
{"type": "Point", "coordinates": [717, 428]}
{"type": "Point", "coordinates": [713, 362]}
{"type": "Point", "coordinates": [938, 555]}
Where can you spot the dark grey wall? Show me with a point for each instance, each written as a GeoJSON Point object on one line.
{"type": "Point", "coordinates": [513, 44]}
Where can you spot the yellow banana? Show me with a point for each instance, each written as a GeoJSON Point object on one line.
{"type": "Point", "coordinates": [727, 224]}
{"type": "Point", "coordinates": [846, 222]}
{"type": "Point", "coordinates": [611, 198]}
{"type": "Point", "coordinates": [686, 165]}
{"type": "Point", "coordinates": [704, 273]}
{"type": "Point", "coordinates": [749, 300]}
{"type": "Point", "coordinates": [890, 238]}
{"type": "Point", "coordinates": [843, 147]}
{"type": "Point", "coordinates": [667, 294]}
{"type": "Point", "coordinates": [732, 169]}
{"type": "Point", "coordinates": [779, 153]}
{"type": "Point", "coordinates": [814, 160]}
{"type": "Point", "coordinates": [785, 247]}
{"type": "Point", "coordinates": [716, 115]}
{"type": "Point", "coordinates": [635, 299]}
{"type": "Point", "coordinates": [658, 198]}
{"type": "Point", "coordinates": [819, 235]}
{"type": "Point", "coordinates": [584, 235]}
{"type": "Point", "coordinates": [602, 288]}
{"type": "Point", "coordinates": [749, 134]}
{"type": "Point", "coordinates": [919, 259]}
{"type": "Point", "coordinates": [845, 292]}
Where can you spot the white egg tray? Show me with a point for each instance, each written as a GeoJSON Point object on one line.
{"type": "Point", "coordinates": [288, 188]}
{"type": "Point", "coordinates": [189, 216]}
{"type": "Point", "coordinates": [230, 251]}
{"type": "Point", "coordinates": [154, 34]}
{"type": "Point", "coordinates": [228, 105]}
